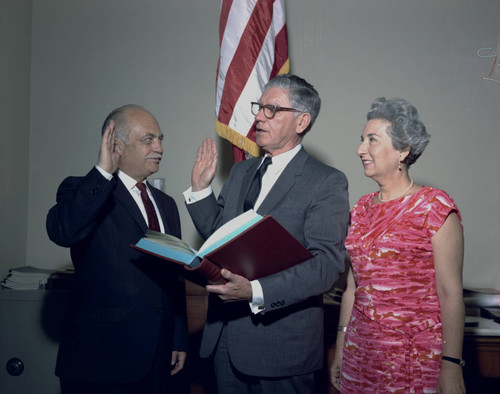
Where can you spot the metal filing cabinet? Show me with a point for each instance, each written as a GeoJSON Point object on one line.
{"type": "Point", "coordinates": [30, 326]}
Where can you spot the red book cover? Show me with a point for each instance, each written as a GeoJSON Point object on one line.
{"type": "Point", "coordinates": [263, 249]}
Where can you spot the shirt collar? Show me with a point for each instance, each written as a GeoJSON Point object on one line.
{"type": "Point", "coordinates": [280, 161]}
{"type": "Point", "coordinates": [128, 181]}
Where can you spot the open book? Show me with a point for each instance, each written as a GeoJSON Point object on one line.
{"type": "Point", "coordinates": [250, 245]}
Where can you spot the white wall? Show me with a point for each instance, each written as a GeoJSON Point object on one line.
{"type": "Point", "coordinates": [15, 48]}
{"type": "Point", "coordinates": [90, 56]}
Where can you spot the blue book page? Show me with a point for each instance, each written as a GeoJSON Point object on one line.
{"type": "Point", "coordinates": [184, 256]}
{"type": "Point", "coordinates": [229, 231]}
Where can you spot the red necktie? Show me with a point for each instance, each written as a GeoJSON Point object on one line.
{"type": "Point", "coordinates": [153, 223]}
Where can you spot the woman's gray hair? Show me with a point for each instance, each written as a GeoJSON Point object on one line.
{"type": "Point", "coordinates": [406, 130]}
{"type": "Point", "coordinates": [120, 116]}
{"type": "Point", "coordinates": [301, 94]}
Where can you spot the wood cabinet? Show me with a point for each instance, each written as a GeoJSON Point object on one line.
{"type": "Point", "coordinates": [482, 368]}
{"type": "Point", "coordinates": [198, 374]}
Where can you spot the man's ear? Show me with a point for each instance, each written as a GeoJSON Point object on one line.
{"type": "Point", "coordinates": [119, 146]}
{"type": "Point", "coordinates": [303, 122]}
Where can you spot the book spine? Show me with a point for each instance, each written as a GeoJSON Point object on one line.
{"type": "Point", "coordinates": [209, 270]}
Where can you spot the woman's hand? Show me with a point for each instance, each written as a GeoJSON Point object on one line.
{"type": "Point", "coordinates": [336, 368]}
{"type": "Point", "coordinates": [451, 380]}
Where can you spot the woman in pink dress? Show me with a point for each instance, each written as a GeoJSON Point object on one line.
{"type": "Point", "coordinates": [402, 314]}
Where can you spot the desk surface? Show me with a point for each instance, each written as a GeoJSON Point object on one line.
{"type": "Point", "coordinates": [485, 327]}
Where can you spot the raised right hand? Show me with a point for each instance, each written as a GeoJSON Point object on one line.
{"type": "Point", "coordinates": [205, 166]}
{"type": "Point", "coordinates": [110, 152]}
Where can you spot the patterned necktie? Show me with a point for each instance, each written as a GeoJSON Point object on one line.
{"type": "Point", "coordinates": [153, 223]}
{"type": "Point", "coordinates": [255, 186]}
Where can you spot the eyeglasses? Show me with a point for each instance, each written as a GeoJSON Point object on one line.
{"type": "Point", "coordinates": [269, 109]}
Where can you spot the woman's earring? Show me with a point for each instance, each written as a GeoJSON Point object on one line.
{"type": "Point", "coordinates": [399, 167]}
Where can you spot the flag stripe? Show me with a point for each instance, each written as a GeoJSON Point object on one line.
{"type": "Point", "coordinates": [259, 76]}
{"type": "Point", "coordinates": [224, 15]}
{"type": "Point", "coordinates": [245, 56]}
{"type": "Point", "coordinates": [231, 30]}
{"type": "Point", "coordinates": [281, 52]}
{"type": "Point", "coordinates": [253, 49]}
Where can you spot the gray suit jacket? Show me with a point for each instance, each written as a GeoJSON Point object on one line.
{"type": "Point", "coordinates": [310, 200]}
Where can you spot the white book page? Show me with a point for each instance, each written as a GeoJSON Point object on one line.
{"type": "Point", "coordinates": [230, 227]}
{"type": "Point", "coordinates": [169, 241]}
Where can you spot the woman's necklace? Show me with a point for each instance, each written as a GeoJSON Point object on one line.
{"type": "Point", "coordinates": [399, 195]}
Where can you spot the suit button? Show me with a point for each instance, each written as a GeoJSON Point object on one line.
{"type": "Point", "coordinates": [158, 309]}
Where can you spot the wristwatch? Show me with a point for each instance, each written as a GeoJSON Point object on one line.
{"type": "Point", "coordinates": [457, 361]}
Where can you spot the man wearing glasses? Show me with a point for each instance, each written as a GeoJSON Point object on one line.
{"type": "Point", "coordinates": [271, 341]}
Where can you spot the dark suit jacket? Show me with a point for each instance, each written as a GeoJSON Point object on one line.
{"type": "Point", "coordinates": [121, 303]}
{"type": "Point", "coordinates": [310, 200]}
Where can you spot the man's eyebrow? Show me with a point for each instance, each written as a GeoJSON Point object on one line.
{"type": "Point", "coordinates": [152, 134]}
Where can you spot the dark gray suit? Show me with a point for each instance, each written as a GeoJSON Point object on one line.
{"type": "Point", "coordinates": [310, 200]}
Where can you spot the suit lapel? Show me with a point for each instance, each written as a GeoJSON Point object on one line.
{"type": "Point", "coordinates": [284, 183]}
{"type": "Point", "coordinates": [123, 197]}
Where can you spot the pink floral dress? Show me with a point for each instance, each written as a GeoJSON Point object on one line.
{"type": "Point", "coordinates": [394, 339]}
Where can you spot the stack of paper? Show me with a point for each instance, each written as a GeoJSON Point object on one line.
{"type": "Point", "coordinates": [26, 278]}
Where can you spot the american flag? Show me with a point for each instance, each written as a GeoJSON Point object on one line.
{"type": "Point", "coordinates": [253, 50]}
